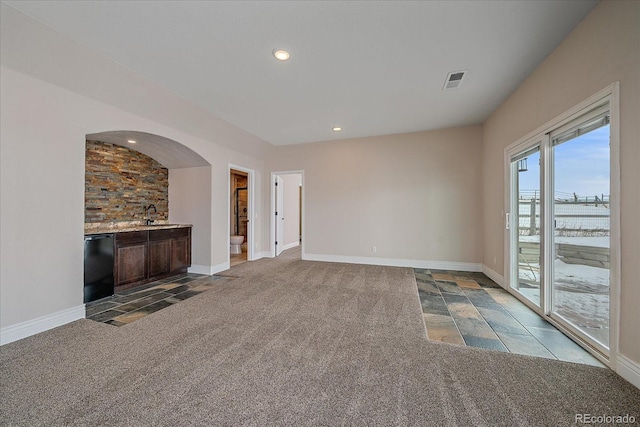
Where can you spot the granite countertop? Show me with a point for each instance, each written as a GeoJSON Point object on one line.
{"type": "Point", "coordinates": [122, 227]}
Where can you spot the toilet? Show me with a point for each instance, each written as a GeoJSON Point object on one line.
{"type": "Point", "coordinates": [236, 241]}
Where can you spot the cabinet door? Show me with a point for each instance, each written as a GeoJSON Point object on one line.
{"type": "Point", "coordinates": [131, 263]}
{"type": "Point", "coordinates": [159, 257]}
{"type": "Point", "coordinates": [180, 253]}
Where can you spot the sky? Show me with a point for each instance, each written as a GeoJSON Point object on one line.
{"type": "Point", "coordinates": [581, 166]}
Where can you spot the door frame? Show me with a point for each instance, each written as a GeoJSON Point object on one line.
{"type": "Point", "coordinates": [612, 92]}
{"type": "Point", "coordinates": [272, 213]}
{"type": "Point", "coordinates": [250, 209]}
{"type": "Point", "coordinates": [278, 229]}
{"type": "Point", "coordinates": [540, 140]}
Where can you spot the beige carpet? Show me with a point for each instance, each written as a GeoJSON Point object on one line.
{"type": "Point", "coordinates": [291, 342]}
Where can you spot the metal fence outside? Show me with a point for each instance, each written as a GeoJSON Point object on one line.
{"type": "Point", "coordinates": [574, 215]}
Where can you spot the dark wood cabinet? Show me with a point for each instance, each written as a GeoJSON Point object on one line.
{"type": "Point", "coordinates": [130, 257]}
{"type": "Point", "coordinates": [144, 256]}
{"type": "Point", "coordinates": [180, 253]}
{"type": "Point", "coordinates": [159, 257]}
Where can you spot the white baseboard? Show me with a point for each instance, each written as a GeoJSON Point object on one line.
{"type": "Point", "coordinates": [34, 326]}
{"type": "Point", "coordinates": [213, 269]}
{"type": "Point", "coordinates": [290, 245]}
{"type": "Point", "coordinates": [201, 269]}
{"type": "Point", "coordinates": [259, 255]}
{"type": "Point", "coordinates": [493, 275]}
{"type": "Point", "coordinates": [628, 369]}
{"type": "Point", "coordinates": [395, 262]}
{"type": "Point", "coordinates": [220, 267]}
{"type": "Point", "coordinates": [208, 269]}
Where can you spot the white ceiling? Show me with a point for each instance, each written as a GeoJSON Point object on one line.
{"type": "Point", "coordinates": [371, 67]}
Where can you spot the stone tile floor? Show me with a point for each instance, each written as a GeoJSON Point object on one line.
{"type": "Point", "coordinates": [135, 303]}
{"type": "Point", "coordinates": [470, 309]}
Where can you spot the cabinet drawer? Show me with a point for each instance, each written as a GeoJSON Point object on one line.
{"type": "Point", "coordinates": [132, 237]}
{"type": "Point", "coordinates": [169, 233]}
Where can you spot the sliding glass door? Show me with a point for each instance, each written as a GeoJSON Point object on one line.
{"type": "Point", "coordinates": [581, 218]}
{"type": "Point", "coordinates": [559, 224]}
{"type": "Point", "coordinates": [525, 208]}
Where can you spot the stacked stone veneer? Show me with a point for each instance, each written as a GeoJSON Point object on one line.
{"type": "Point", "coordinates": [120, 182]}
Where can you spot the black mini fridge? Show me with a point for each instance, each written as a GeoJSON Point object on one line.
{"type": "Point", "coordinates": [98, 266]}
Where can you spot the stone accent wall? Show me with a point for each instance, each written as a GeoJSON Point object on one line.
{"type": "Point", "coordinates": [120, 183]}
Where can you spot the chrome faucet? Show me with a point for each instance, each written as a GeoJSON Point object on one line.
{"type": "Point", "coordinates": [147, 211]}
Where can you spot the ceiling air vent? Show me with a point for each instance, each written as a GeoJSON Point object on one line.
{"type": "Point", "coordinates": [454, 79]}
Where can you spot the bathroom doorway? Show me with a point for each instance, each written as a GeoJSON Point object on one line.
{"type": "Point", "coordinates": [287, 211]}
{"type": "Point", "coordinates": [240, 231]}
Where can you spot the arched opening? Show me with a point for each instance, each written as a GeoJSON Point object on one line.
{"type": "Point", "coordinates": [136, 179]}
{"type": "Point", "coordinates": [171, 154]}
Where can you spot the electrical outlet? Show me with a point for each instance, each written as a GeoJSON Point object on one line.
{"type": "Point", "coordinates": [495, 260]}
{"type": "Point", "coordinates": [374, 249]}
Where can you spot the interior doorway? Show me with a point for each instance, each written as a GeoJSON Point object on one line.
{"type": "Point", "coordinates": [287, 211]}
{"type": "Point", "coordinates": [240, 245]}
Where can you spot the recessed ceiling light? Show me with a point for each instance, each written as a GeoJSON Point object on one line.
{"type": "Point", "coordinates": [131, 141]}
{"type": "Point", "coordinates": [336, 128]}
{"type": "Point", "coordinates": [281, 54]}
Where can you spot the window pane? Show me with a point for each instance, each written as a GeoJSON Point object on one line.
{"type": "Point", "coordinates": [526, 181]}
{"type": "Point", "coordinates": [580, 287]}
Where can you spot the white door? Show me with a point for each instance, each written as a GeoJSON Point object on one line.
{"type": "Point", "coordinates": [279, 217]}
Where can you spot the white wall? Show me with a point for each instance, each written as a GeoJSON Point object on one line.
{"type": "Point", "coordinates": [291, 214]}
{"type": "Point", "coordinates": [43, 132]}
{"type": "Point", "coordinates": [416, 197]}
{"type": "Point", "coordinates": [602, 49]}
{"type": "Point", "coordinates": [43, 129]}
{"type": "Point", "coordinates": [42, 201]}
{"type": "Point", "coordinates": [188, 205]}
